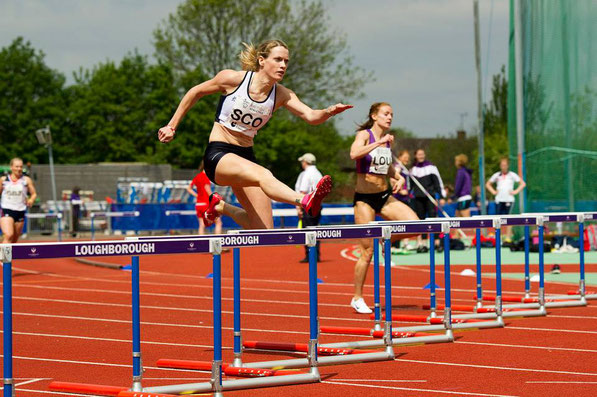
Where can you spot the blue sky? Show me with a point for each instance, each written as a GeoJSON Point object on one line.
{"type": "Point", "coordinates": [421, 51]}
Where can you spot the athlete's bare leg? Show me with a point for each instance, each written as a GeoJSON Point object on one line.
{"type": "Point", "coordinates": [218, 223]}
{"type": "Point", "coordinates": [201, 226]}
{"type": "Point", "coordinates": [233, 170]}
{"type": "Point", "coordinates": [7, 224]}
{"type": "Point", "coordinates": [394, 210]}
{"type": "Point", "coordinates": [363, 213]}
{"type": "Point", "coordinates": [256, 211]}
{"type": "Point", "coordinates": [18, 231]}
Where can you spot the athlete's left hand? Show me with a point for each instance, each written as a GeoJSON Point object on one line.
{"type": "Point", "coordinates": [166, 134]}
{"type": "Point", "coordinates": [337, 108]}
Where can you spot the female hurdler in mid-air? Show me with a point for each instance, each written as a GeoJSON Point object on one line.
{"type": "Point", "coordinates": [249, 98]}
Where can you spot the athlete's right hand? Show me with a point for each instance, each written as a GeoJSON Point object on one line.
{"type": "Point", "coordinates": [166, 134]}
{"type": "Point", "coordinates": [387, 138]}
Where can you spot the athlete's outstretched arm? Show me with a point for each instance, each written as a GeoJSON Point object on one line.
{"type": "Point", "coordinates": [312, 116]}
{"type": "Point", "coordinates": [219, 83]}
{"type": "Point", "coordinates": [361, 146]}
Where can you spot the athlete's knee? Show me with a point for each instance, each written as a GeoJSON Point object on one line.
{"type": "Point", "coordinates": [367, 253]}
{"type": "Point", "coordinates": [264, 174]}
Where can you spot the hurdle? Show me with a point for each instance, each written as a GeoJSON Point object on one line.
{"type": "Point", "coordinates": [110, 215]}
{"type": "Point", "coordinates": [386, 337]}
{"type": "Point", "coordinates": [581, 294]}
{"type": "Point", "coordinates": [217, 368]}
{"type": "Point", "coordinates": [325, 354]}
{"type": "Point", "coordinates": [30, 251]}
{"type": "Point", "coordinates": [587, 216]}
{"type": "Point", "coordinates": [157, 246]}
{"type": "Point", "coordinates": [459, 321]}
{"type": "Point", "coordinates": [541, 301]}
{"type": "Point", "coordinates": [499, 310]}
{"type": "Point", "coordinates": [49, 215]}
{"type": "Point", "coordinates": [266, 379]}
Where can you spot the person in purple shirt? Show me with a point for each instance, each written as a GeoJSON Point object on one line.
{"type": "Point", "coordinates": [463, 186]}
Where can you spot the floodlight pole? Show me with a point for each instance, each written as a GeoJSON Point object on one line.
{"type": "Point", "coordinates": [519, 99]}
{"type": "Point", "coordinates": [44, 136]}
{"type": "Point", "coordinates": [480, 107]}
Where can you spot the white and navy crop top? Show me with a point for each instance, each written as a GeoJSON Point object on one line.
{"type": "Point", "coordinates": [14, 194]}
{"type": "Point", "coordinates": [237, 111]}
{"type": "Point", "coordinates": [377, 161]}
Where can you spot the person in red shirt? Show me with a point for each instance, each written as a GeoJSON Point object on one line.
{"type": "Point", "coordinates": [202, 191]}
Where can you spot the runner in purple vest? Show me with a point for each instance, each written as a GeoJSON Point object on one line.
{"type": "Point", "coordinates": [373, 194]}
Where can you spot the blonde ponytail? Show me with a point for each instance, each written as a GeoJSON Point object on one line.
{"type": "Point", "coordinates": [249, 57]}
{"type": "Point", "coordinates": [249, 60]}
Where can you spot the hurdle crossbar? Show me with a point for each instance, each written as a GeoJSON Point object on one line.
{"type": "Point", "coordinates": [49, 215]}
{"type": "Point", "coordinates": [110, 215]}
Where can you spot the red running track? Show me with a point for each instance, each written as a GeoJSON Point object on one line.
{"type": "Point", "coordinates": [72, 324]}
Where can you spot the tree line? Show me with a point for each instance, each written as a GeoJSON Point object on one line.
{"type": "Point", "coordinates": [111, 112]}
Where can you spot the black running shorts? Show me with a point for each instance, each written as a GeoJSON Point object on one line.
{"type": "Point", "coordinates": [216, 150]}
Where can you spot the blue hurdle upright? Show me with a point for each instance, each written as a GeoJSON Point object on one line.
{"type": "Point", "coordinates": [333, 356]}
{"type": "Point", "coordinates": [541, 301]}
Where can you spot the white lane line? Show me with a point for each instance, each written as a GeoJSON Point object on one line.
{"type": "Point", "coordinates": [527, 347]}
{"type": "Point", "coordinates": [579, 317]}
{"type": "Point", "coordinates": [56, 393]}
{"type": "Point", "coordinates": [259, 280]}
{"type": "Point", "coordinates": [56, 360]}
{"type": "Point", "coordinates": [496, 367]}
{"type": "Point", "coordinates": [562, 382]}
{"type": "Point", "coordinates": [108, 320]}
{"type": "Point", "coordinates": [30, 381]}
{"type": "Point", "coordinates": [275, 290]}
{"type": "Point", "coordinates": [128, 341]}
{"type": "Point", "coordinates": [227, 312]}
{"type": "Point", "coordinates": [26, 382]}
{"type": "Point", "coordinates": [460, 393]}
{"type": "Point", "coordinates": [382, 380]}
{"type": "Point", "coordinates": [574, 331]}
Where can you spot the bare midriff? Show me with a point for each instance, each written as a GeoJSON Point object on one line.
{"type": "Point", "coordinates": [371, 183]}
{"type": "Point", "coordinates": [219, 133]}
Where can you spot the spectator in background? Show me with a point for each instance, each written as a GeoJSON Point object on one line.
{"type": "Point", "coordinates": [75, 202]}
{"type": "Point", "coordinates": [463, 186]}
{"type": "Point", "coordinates": [202, 191]}
{"type": "Point", "coordinates": [305, 184]}
{"type": "Point", "coordinates": [429, 178]}
{"type": "Point", "coordinates": [505, 192]}
{"type": "Point", "coordinates": [14, 189]}
{"type": "Point", "coordinates": [477, 197]}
